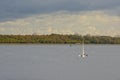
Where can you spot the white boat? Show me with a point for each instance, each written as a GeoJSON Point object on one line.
{"type": "Point", "coordinates": [83, 55]}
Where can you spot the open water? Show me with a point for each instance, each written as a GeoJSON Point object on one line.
{"type": "Point", "coordinates": [59, 62]}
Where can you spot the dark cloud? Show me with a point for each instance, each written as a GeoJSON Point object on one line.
{"type": "Point", "coordinates": [10, 9]}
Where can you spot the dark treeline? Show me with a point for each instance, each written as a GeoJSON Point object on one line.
{"type": "Point", "coordinates": [58, 38]}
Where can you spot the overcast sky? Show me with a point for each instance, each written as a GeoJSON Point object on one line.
{"type": "Point", "coordinates": [96, 17]}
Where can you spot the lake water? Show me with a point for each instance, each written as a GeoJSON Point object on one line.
{"type": "Point", "coordinates": [59, 62]}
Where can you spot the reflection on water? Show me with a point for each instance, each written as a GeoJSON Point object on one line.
{"type": "Point", "coordinates": [59, 62]}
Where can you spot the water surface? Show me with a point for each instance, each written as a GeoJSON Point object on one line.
{"type": "Point", "coordinates": [59, 62]}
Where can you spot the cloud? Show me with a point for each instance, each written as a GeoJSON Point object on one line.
{"type": "Point", "coordinates": [92, 30]}
{"type": "Point", "coordinates": [86, 22]}
{"type": "Point", "coordinates": [2, 29]}
{"type": "Point", "coordinates": [14, 9]}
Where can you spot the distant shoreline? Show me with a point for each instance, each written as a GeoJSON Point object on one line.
{"type": "Point", "coordinates": [57, 39]}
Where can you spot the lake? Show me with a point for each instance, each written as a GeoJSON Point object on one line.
{"type": "Point", "coordinates": [59, 62]}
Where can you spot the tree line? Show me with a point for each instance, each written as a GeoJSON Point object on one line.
{"type": "Point", "coordinates": [59, 39]}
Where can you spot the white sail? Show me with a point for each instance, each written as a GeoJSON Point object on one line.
{"type": "Point", "coordinates": [83, 51]}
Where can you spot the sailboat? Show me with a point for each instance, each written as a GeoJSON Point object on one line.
{"type": "Point", "coordinates": [83, 55]}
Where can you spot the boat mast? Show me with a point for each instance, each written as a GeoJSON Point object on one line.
{"type": "Point", "coordinates": [83, 46]}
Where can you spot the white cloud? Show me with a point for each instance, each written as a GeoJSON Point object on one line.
{"type": "Point", "coordinates": [92, 30]}
{"type": "Point", "coordinates": [2, 29]}
{"type": "Point", "coordinates": [94, 23]}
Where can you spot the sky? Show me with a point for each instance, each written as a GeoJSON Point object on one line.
{"type": "Point", "coordinates": [94, 17]}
